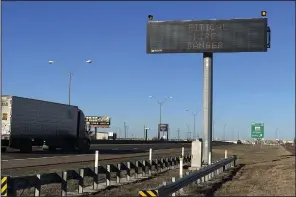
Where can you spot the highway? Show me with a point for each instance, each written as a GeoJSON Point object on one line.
{"type": "Point", "coordinates": [103, 148]}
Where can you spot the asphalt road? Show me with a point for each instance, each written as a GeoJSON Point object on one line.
{"type": "Point", "coordinates": [22, 167]}
{"type": "Point", "coordinates": [109, 149]}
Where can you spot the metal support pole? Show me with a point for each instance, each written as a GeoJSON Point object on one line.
{"type": "Point", "coordinates": [207, 104]}
{"type": "Point", "coordinates": [124, 129]}
{"type": "Point", "coordinates": [194, 132]}
{"type": "Point", "coordinates": [160, 106]}
{"type": "Point", "coordinates": [69, 88]}
{"type": "Point", "coordinates": [224, 130]}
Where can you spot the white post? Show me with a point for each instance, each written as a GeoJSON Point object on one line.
{"type": "Point", "coordinates": [95, 184]}
{"type": "Point", "coordinates": [182, 152]}
{"type": "Point", "coordinates": [225, 154]}
{"type": "Point", "coordinates": [97, 159]}
{"type": "Point", "coordinates": [150, 155]}
{"type": "Point", "coordinates": [210, 162]}
{"type": "Point", "coordinates": [181, 167]}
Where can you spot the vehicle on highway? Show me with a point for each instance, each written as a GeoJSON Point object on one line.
{"type": "Point", "coordinates": [29, 122]}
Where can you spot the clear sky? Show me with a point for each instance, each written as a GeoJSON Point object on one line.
{"type": "Point", "coordinates": [248, 87]}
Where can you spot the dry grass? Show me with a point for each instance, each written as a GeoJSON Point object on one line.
{"type": "Point", "coordinates": [266, 171]}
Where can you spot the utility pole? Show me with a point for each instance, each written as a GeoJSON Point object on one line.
{"type": "Point", "coordinates": [178, 134]}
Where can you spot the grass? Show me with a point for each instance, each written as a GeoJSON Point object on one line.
{"type": "Point", "coordinates": [264, 171]}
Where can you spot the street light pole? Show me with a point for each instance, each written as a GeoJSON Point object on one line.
{"type": "Point", "coordinates": [188, 131]}
{"type": "Point", "coordinates": [70, 78]}
{"type": "Point", "coordinates": [160, 109]}
{"type": "Point", "coordinates": [224, 132]}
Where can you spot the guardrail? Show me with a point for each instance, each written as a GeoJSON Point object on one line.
{"type": "Point", "coordinates": [202, 175]}
{"type": "Point", "coordinates": [142, 170]}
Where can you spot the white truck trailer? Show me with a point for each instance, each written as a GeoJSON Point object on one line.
{"type": "Point", "coordinates": [29, 122]}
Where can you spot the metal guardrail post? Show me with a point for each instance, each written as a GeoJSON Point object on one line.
{"type": "Point", "coordinates": [64, 183]}
{"type": "Point", "coordinates": [81, 181]}
{"type": "Point", "coordinates": [137, 169]}
{"type": "Point", "coordinates": [118, 173]}
{"type": "Point", "coordinates": [37, 188]}
{"type": "Point", "coordinates": [143, 168]}
{"type": "Point", "coordinates": [108, 176]}
{"type": "Point", "coordinates": [128, 171]}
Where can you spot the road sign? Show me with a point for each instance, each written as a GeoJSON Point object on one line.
{"type": "Point", "coordinates": [257, 130]}
{"type": "Point", "coordinates": [192, 36]}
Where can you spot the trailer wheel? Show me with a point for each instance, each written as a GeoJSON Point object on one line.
{"type": "Point", "coordinates": [3, 149]}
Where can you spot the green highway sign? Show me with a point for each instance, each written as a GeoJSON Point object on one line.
{"type": "Point", "coordinates": [257, 130]}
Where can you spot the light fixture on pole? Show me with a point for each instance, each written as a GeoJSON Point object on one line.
{"type": "Point", "coordinates": [70, 77]}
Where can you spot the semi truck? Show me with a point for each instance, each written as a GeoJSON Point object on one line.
{"type": "Point", "coordinates": [30, 122]}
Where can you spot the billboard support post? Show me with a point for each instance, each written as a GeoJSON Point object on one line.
{"type": "Point", "coordinates": [207, 104]}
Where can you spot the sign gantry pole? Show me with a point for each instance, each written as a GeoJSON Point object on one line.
{"type": "Point", "coordinates": [207, 105]}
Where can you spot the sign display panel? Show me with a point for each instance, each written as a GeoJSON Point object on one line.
{"type": "Point", "coordinates": [193, 36]}
{"type": "Point", "coordinates": [98, 121]}
{"type": "Point", "coordinates": [163, 127]}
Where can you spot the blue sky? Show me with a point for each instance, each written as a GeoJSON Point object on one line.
{"type": "Point", "coordinates": [248, 87]}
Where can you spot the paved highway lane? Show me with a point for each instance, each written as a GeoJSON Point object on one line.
{"type": "Point", "coordinates": [103, 148]}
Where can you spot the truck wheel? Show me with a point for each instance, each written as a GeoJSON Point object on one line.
{"type": "Point", "coordinates": [3, 149]}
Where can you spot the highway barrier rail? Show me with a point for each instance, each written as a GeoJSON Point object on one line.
{"type": "Point", "coordinates": [204, 174]}
{"type": "Point", "coordinates": [142, 170]}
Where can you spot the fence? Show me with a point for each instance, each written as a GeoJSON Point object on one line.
{"type": "Point", "coordinates": [142, 169]}
{"type": "Point", "coordinates": [202, 175]}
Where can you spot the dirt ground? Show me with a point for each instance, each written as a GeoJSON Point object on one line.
{"type": "Point", "coordinates": [261, 171]}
